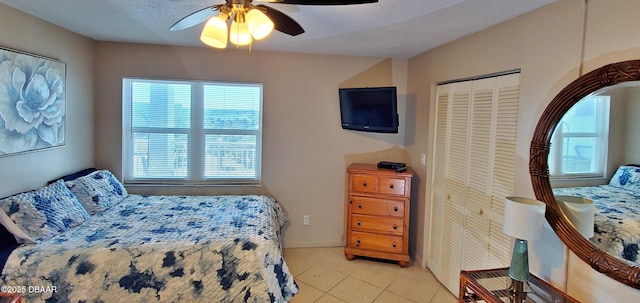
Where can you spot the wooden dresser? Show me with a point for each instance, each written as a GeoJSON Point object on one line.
{"type": "Point", "coordinates": [377, 211]}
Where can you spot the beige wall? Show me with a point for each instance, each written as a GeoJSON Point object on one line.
{"type": "Point", "coordinates": [632, 146]}
{"type": "Point", "coordinates": [624, 132]}
{"type": "Point", "coordinates": [545, 44]}
{"type": "Point", "coordinates": [29, 34]}
{"type": "Point", "coordinates": [305, 150]}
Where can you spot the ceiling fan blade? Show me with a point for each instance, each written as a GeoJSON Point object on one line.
{"type": "Point", "coordinates": [282, 22]}
{"type": "Point", "coordinates": [324, 2]}
{"type": "Point", "coordinates": [195, 18]}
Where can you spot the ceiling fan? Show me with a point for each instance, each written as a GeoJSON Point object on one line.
{"type": "Point", "coordinates": [250, 22]}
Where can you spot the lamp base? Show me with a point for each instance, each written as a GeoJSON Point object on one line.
{"type": "Point", "coordinates": [517, 294]}
{"type": "Point", "coordinates": [519, 269]}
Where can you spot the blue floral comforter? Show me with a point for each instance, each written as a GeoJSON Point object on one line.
{"type": "Point", "coordinates": [162, 249]}
{"type": "Point", "coordinates": [617, 218]}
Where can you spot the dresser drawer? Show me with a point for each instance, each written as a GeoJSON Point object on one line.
{"type": "Point", "coordinates": [364, 184]}
{"type": "Point", "coordinates": [379, 207]}
{"type": "Point", "coordinates": [376, 242]}
{"type": "Point", "coordinates": [384, 225]}
{"type": "Point", "coordinates": [391, 186]}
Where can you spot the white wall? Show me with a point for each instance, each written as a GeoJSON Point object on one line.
{"type": "Point", "coordinates": [29, 34]}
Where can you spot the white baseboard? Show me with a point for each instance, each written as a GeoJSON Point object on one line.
{"type": "Point", "coordinates": [300, 244]}
{"type": "Point", "coordinates": [417, 260]}
{"type": "Point", "coordinates": [303, 244]}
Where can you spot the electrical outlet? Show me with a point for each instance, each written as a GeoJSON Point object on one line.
{"type": "Point", "coordinates": [423, 159]}
{"type": "Point", "coordinates": [305, 220]}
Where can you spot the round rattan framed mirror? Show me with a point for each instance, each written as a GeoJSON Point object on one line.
{"type": "Point", "coordinates": [619, 269]}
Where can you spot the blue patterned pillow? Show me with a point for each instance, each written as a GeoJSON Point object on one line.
{"type": "Point", "coordinates": [45, 212]}
{"type": "Point", "coordinates": [627, 177]}
{"type": "Point", "coordinates": [97, 191]}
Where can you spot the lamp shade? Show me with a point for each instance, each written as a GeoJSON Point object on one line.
{"type": "Point", "coordinates": [214, 33]}
{"type": "Point", "coordinates": [239, 33]}
{"type": "Point", "coordinates": [580, 212]}
{"type": "Point", "coordinates": [523, 218]}
{"type": "Point", "coordinates": [259, 24]}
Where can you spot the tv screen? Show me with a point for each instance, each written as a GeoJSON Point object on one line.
{"type": "Point", "coordinates": [370, 109]}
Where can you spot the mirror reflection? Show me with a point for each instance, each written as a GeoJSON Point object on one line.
{"type": "Point", "coordinates": [595, 155]}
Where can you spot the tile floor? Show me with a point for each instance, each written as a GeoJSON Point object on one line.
{"type": "Point", "coordinates": [324, 275]}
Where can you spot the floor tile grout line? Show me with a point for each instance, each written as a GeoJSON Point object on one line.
{"type": "Point", "coordinates": [320, 257]}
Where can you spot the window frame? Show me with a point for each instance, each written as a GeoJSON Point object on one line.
{"type": "Point", "coordinates": [196, 137]}
{"type": "Point", "coordinates": [601, 136]}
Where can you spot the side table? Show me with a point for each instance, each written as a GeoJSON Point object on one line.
{"type": "Point", "coordinates": [492, 286]}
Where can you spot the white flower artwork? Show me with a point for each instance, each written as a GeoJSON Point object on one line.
{"type": "Point", "coordinates": [32, 102]}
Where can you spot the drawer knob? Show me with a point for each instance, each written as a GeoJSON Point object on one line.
{"type": "Point", "coordinates": [358, 243]}
{"type": "Point", "coordinates": [394, 245]}
{"type": "Point", "coordinates": [395, 227]}
{"type": "Point", "coordinates": [395, 208]}
{"type": "Point", "coordinates": [360, 206]}
{"type": "Point", "coordinates": [350, 202]}
{"type": "Point", "coordinates": [364, 184]}
{"type": "Point", "coordinates": [391, 186]}
{"type": "Point", "coordinates": [359, 223]}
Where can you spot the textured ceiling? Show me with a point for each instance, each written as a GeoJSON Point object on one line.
{"type": "Point", "coordinates": [389, 28]}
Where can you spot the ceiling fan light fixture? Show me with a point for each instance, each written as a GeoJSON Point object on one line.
{"type": "Point", "coordinates": [259, 24]}
{"type": "Point", "coordinates": [214, 33]}
{"type": "Point", "coordinates": [239, 33]}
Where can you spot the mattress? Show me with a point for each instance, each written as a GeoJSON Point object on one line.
{"type": "Point", "coordinates": [161, 249]}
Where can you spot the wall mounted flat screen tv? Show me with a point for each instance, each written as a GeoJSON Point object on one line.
{"type": "Point", "coordinates": [369, 109]}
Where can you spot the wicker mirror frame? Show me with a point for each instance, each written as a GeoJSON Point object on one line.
{"type": "Point", "coordinates": [619, 269]}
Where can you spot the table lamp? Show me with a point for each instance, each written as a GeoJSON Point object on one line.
{"type": "Point", "coordinates": [523, 220]}
{"type": "Point", "coordinates": [580, 212]}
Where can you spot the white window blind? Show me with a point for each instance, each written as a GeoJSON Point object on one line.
{"type": "Point", "coordinates": [184, 132]}
{"type": "Point", "coordinates": [580, 141]}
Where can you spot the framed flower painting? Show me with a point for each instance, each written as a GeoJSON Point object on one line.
{"type": "Point", "coordinates": [32, 102]}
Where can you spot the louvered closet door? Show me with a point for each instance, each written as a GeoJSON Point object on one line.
{"type": "Point", "coordinates": [477, 184]}
{"type": "Point", "coordinates": [451, 137]}
{"type": "Point", "coordinates": [473, 165]}
{"type": "Point", "coordinates": [438, 196]}
{"type": "Point", "coordinates": [503, 166]}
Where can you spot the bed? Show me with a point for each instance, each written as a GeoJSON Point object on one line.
{"type": "Point", "coordinates": [88, 240]}
{"type": "Point", "coordinates": [617, 216]}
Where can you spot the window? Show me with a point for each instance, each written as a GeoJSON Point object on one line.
{"type": "Point", "coordinates": [580, 141]}
{"type": "Point", "coordinates": [182, 132]}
